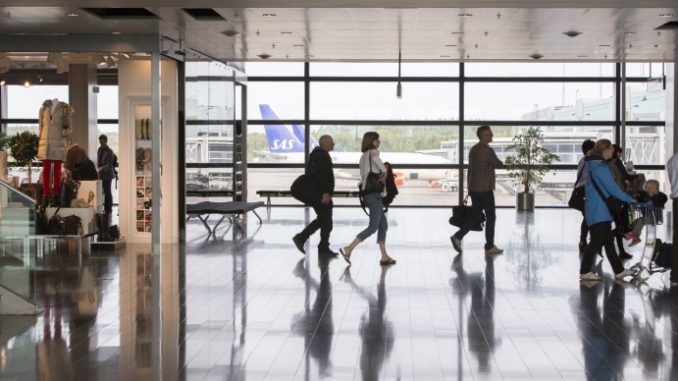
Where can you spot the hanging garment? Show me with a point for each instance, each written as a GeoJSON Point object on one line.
{"type": "Point", "coordinates": [55, 129]}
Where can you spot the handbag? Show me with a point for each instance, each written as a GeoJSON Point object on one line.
{"type": "Point", "coordinates": [69, 225]}
{"type": "Point", "coordinates": [461, 213]}
{"type": "Point", "coordinates": [372, 182]}
{"type": "Point", "coordinates": [577, 198]}
{"type": "Point", "coordinates": [613, 204]}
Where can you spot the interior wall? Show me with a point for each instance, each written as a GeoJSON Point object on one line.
{"type": "Point", "coordinates": [134, 88]}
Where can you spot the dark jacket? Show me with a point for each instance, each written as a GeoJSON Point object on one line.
{"type": "Point", "coordinates": [105, 159]}
{"type": "Point", "coordinates": [482, 162]}
{"type": "Point", "coordinates": [320, 166]}
{"type": "Point", "coordinates": [84, 170]}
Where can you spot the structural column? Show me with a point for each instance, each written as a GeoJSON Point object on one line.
{"type": "Point", "coordinates": [82, 79]}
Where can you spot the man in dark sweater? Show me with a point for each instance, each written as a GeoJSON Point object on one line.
{"type": "Point", "coordinates": [105, 159]}
{"type": "Point", "coordinates": [320, 167]}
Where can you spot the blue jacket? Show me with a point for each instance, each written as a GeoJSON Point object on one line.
{"type": "Point", "coordinates": [596, 210]}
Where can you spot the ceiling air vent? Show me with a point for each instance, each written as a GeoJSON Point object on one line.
{"type": "Point", "coordinates": [204, 14]}
{"type": "Point", "coordinates": [671, 25]}
{"type": "Point", "coordinates": [121, 13]}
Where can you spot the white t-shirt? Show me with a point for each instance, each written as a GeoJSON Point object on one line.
{"type": "Point", "coordinates": [377, 164]}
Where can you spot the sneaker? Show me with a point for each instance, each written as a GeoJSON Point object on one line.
{"type": "Point", "coordinates": [299, 243]}
{"type": "Point", "coordinates": [589, 276]}
{"type": "Point", "coordinates": [493, 250]}
{"type": "Point", "coordinates": [624, 274]}
{"type": "Point", "coordinates": [456, 243]}
{"type": "Point", "coordinates": [327, 252]}
{"type": "Point", "coordinates": [625, 255]}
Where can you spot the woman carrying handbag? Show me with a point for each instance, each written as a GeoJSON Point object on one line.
{"type": "Point", "coordinates": [373, 176]}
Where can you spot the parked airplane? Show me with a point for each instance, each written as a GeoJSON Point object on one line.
{"type": "Point", "coordinates": [288, 145]}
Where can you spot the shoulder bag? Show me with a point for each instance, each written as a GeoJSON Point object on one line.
{"type": "Point", "coordinates": [461, 213]}
{"type": "Point", "coordinates": [372, 183]}
{"type": "Point", "coordinates": [577, 198]}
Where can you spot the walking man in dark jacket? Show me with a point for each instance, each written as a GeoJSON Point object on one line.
{"type": "Point", "coordinates": [320, 167]}
{"type": "Point", "coordinates": [106, 171]}
{"type": "Point", "coordinates": [481, 183]}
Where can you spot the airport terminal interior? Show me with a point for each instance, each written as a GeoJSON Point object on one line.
{"type": "Point", "coordinates": [212, 113]}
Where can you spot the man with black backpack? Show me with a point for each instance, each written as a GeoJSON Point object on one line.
{"type": "Point", "coordinates": [320, 168]}
{"type": "Point", "coordinates": [106, 167]}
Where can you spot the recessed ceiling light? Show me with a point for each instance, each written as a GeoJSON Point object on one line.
{"type": "Point", "coordinates": [656, 46]}
{"type": "Point", "coordinates": [572, 33]}
{"type": "Point", "coordinates": [269, 15]}
{"type": "Point", "coordinates": [230, 32]}
{"type": "Point", "coordinates": [630, 33]}
{"type": "Point", "coordinates": [465, 15]}
{"type": "Point", "coordinates": [2, 83]}
{"type": "Point", "coordinates": [116, 33]}
{"type": "Point", "coordinates": [264, 56]}
{"type": "Point", "coordinates": [666, 15]}
{"type": "Point", "coordinates": [72, 14]}
{"type": "Point", "coordinates": [286, 33]}
{"type": "Point", "coordinates": [27, 84]}
{"type": "Point", "coordinates": [582, 56]}
{"type": "Point", "coordinates": [299, 45]}
{"type": "Point", "coordinates": [444, 56]}
{"type": "Point", "coordinates": [604, 45]}
{"type": "Point", "coordinates": [536, 56]}
{"type": "Point", "coordinates": [450, 46]}
{"type": "Point", "coordinates": [456, 32]}
{"type": "Point", "coordinates": [309, 56]}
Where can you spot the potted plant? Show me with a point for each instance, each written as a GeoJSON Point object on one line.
{"type": "Point", "coordinates": [4, 143]}
{"type": "Point", "coordinates": [529, 164]}
{"type": "Point", "coordinates": [24, 148]}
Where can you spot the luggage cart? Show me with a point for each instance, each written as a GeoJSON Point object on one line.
{"type": "Point", "coordinates": [646, 213]}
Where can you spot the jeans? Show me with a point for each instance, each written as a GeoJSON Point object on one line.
{"type": "Point", "coordinates": [323, 222]}
{"type": "Point", "coordinates": [601, 235]}
{"type": "Point", "coordinates": [108, 196]}
{"type": "Point", "coordinates": [375, 205]}
{"type": "Point", "coordinates": [481, 201]}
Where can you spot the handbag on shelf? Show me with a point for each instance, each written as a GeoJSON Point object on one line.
{"type": "Point", "coordinates": [461, 213]}
{"type": "Point", "coordinates": [69, 225]}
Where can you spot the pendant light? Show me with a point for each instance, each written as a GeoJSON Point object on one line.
{"type": "Point", "coordinates": [399, 88]}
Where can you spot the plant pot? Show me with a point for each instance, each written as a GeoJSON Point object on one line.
{"type": "Point", "coordinates": [524, 202]}
{"type": "Point", "coordinates": [3, 165]}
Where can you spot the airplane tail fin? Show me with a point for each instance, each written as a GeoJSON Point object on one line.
{"type": "Point", "coordinates": [299, 134]}
{"type": "Point", "coordinates": [279, 137]}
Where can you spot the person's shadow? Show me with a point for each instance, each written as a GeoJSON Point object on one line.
{"type": "Point", "coordinates": [605, 337]}
{"type": "Point", "coordinates": [482, 340]}
{"type": "Point", "coordinates": [375, 330]}
{"type": "Point", "coordinates": [315, 322]}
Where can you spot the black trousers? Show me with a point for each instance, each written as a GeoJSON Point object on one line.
{"type": "Point", "coordinates": [584, 229]}
{"type": "Point", "coordinates": [108, 195]}
{"type": "Point", "coordinates": [323, 222]}
{"type": "Point", "coordinates": [601, 236]}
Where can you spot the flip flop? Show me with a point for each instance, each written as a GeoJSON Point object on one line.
{"type": "Point", "coordinates": [347, 258]}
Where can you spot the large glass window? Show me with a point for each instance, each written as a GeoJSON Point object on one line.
{"type": "Point", "coordinates": [378, 101]}
{"type": "Point", "coordinates": [25, 102]}
{"type": "Point", "coordinates": [539, 69]}
{"type": "Point", "coordinates": [539, 101]}
{"type": "Point", "coordinates": [275, 100]}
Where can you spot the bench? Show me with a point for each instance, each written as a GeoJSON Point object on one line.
{"type": "Point", "coordinates": [287, 193]}
{"type": "Point", "coordinates": [233, 210]}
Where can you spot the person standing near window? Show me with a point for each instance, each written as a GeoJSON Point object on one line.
{"type": "Point", "coordinates": [106, 169]}
{"type": "Point", "coordinates": [482, 161]}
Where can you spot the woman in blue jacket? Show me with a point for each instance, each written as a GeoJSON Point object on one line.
{"type": "Point", "coordinates": [598, 216]}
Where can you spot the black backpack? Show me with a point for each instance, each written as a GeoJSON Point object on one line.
{"type": "Point", "coordinates": [115, 165]}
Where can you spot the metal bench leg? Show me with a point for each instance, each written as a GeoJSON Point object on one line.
{"type": "Point", "coordinates": [218, 222]}
{"type": "Point", "coordinates": [255, 213]}
{"type": "Point", "coordinates": [268, 207]}
{"type": "Point", "coordinates": [204, 222]}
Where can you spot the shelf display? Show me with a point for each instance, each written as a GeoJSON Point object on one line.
{"type": "Point", "coordinates": [143, 170]}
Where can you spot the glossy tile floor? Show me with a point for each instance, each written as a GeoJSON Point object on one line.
{"type": "Point", "coordinates": [254, 308]}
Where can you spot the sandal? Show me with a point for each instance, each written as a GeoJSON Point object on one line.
{"type": "Point", "coordinates": [347, 258]}
{"type": "Point", "coordinates": [387, 262]}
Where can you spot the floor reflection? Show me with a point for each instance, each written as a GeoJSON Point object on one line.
{"type": "Point", "coordinates": [315, 322]}
{"type": "Point", "coordinates": [375, 330]}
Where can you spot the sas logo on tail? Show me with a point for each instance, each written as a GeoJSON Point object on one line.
{"type": "Point", "coordinates": [282, 144]}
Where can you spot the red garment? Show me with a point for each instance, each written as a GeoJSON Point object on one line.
{"type": "Point", "coordinates": [51, 177]}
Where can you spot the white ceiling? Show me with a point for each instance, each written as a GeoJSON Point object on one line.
{"type": "Point", "coordinates": [370, 34]}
